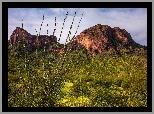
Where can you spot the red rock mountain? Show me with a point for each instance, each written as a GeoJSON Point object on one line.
{"type": "Point", "coordinates": [31, 41]}
{"type": "Point", "coordinates": [96, 39]}
{"type": "Point", "coordinates": [100, 38]}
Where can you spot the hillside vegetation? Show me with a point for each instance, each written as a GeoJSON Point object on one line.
{"type": "Point", "coordinates": [77, 80]}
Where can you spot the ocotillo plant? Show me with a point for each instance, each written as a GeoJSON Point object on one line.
{"type": "Point", "coordinates": [25, 51]}
{"type": "Point", "coordinates": [65, 53]}
{"type": "Point", "coordinates": [63, 57]}
{"type": "Point", "coordinates": [63, 26]}
{"type": "Point", "coordinates": [58, 77]}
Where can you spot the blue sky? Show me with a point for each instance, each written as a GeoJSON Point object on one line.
{"type": "Point", "coordinates": [134, 20]}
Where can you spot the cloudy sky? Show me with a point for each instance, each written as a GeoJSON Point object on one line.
{"type": "Point", "coordinates": [134, 20]}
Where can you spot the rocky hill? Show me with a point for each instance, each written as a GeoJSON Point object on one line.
{"type": "Point", "coordinates": [101, 38]}
{"type": "Point", "coordinates": [96, 39]}
{"type": "Point", "coordinates": [32, 42]}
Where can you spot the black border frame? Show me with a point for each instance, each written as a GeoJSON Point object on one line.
{"type": "Point", "coordinates": [6, 5]}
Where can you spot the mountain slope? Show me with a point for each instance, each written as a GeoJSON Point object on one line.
{"type": "Point", "coordinates": [101, 38]}
{"type": "Point", "coordinates": [96, 39]}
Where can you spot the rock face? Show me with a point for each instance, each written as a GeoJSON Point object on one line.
{"type": "Point", "coordinates": [96, 39]}
{"type": "Point", "coordinates": [32, 41]}
{"type": "Point", "coordinates": [100, 38]}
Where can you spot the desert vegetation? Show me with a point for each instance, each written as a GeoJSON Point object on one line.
{"type": "Point", "coordinates": [76, 79]}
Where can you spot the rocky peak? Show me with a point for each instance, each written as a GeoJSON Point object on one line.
{"type": "Point", "coordinates": [100, 38]}
{"type": "Point", "coordinates": [96, 39]}
{"type": "Point", "coordinates": [32, 41]}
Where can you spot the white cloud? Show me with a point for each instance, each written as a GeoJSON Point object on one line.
{"type": "Point", "coordinates": [57, 10]}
